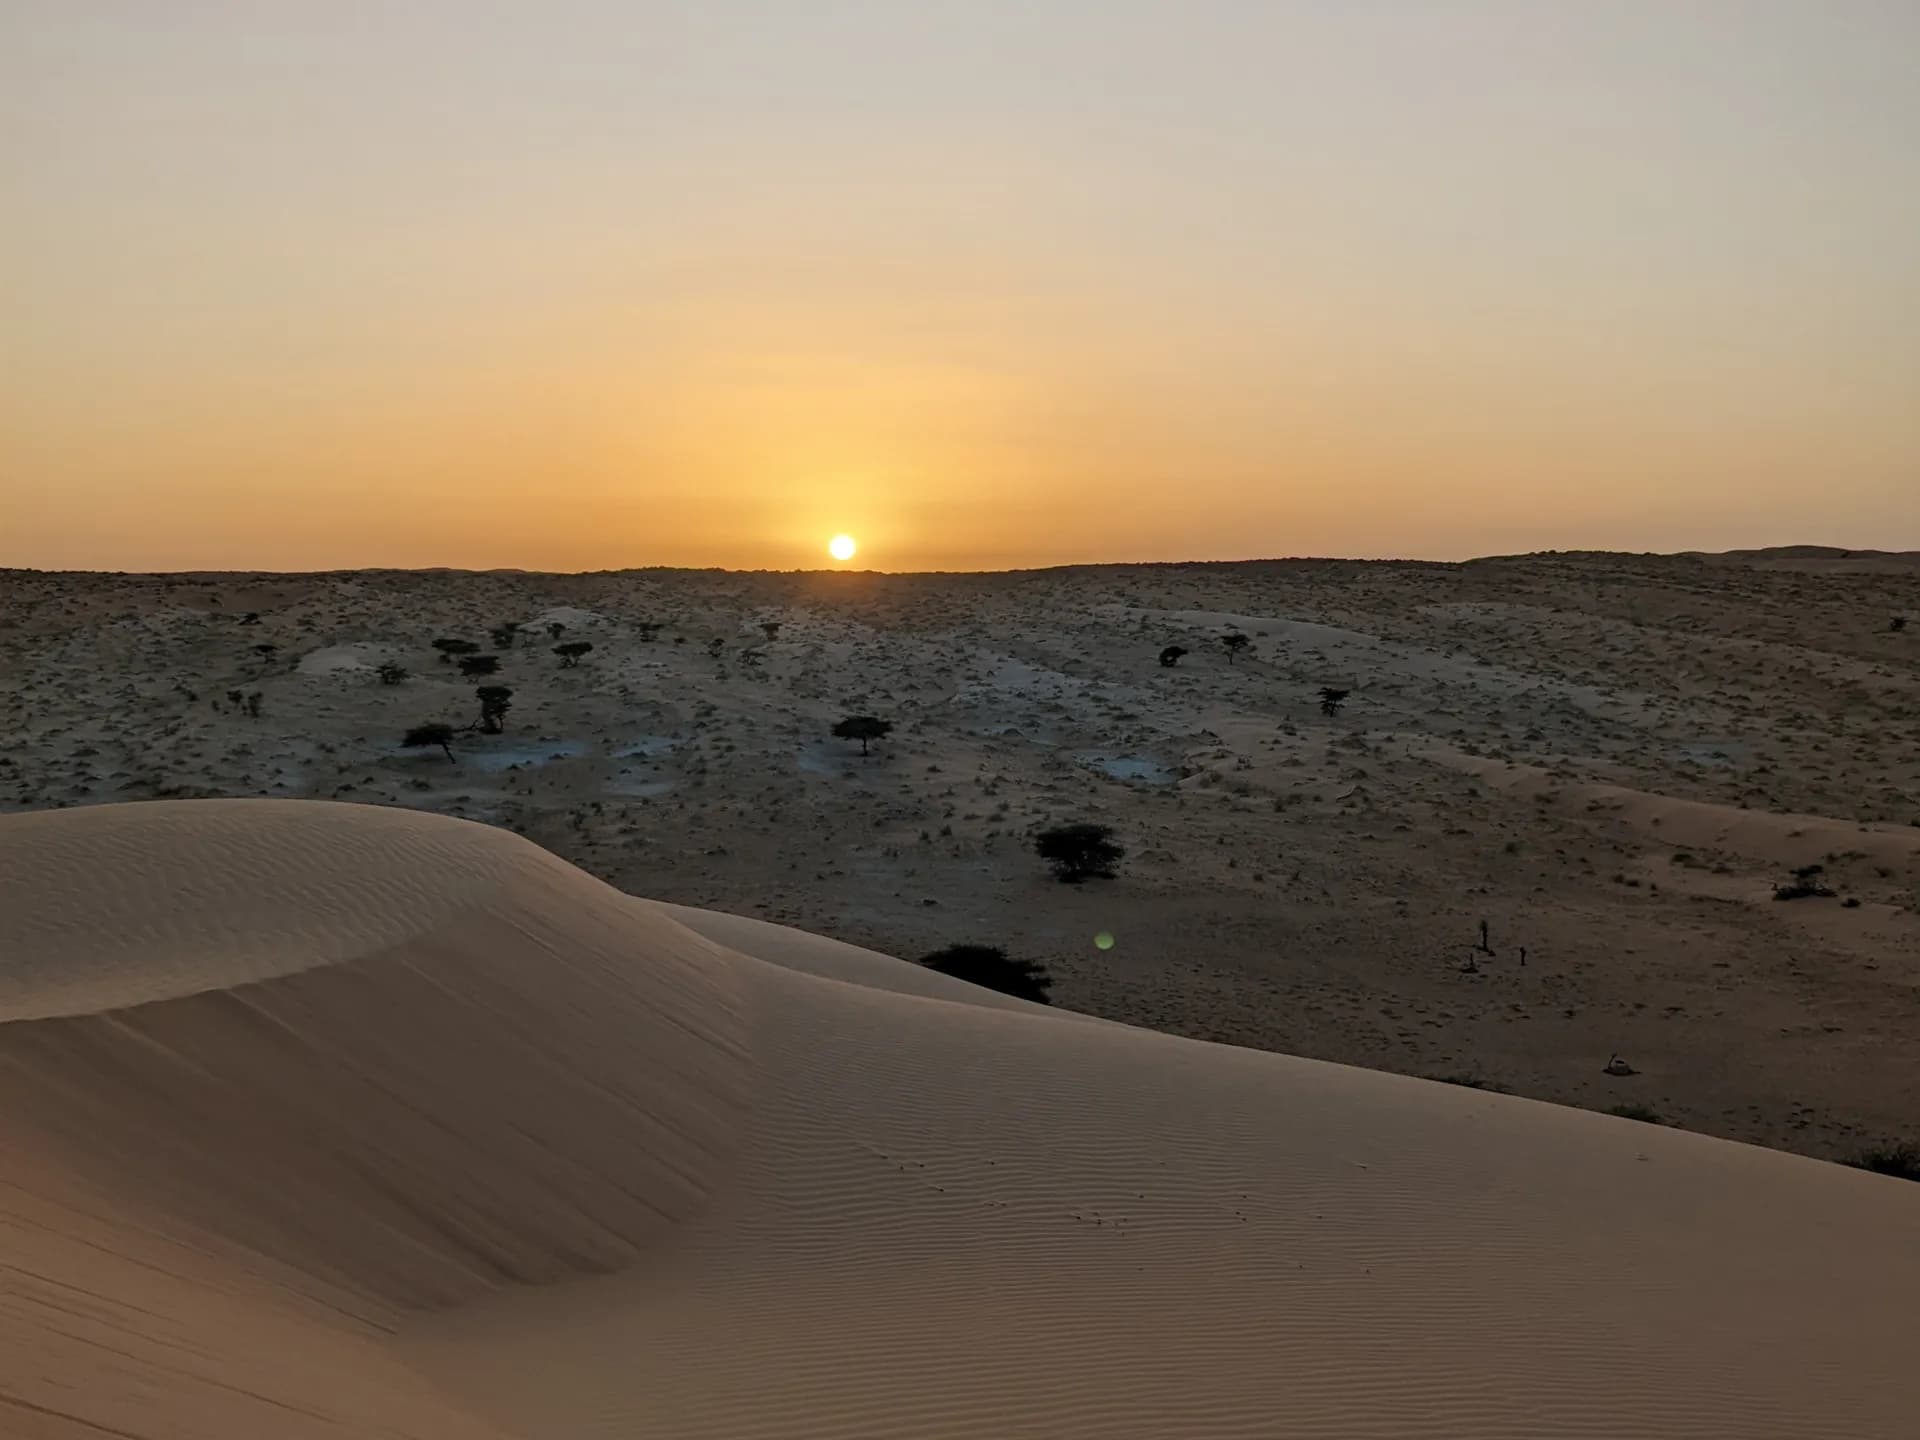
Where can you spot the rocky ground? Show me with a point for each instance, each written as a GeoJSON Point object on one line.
{"type": "Point", "coordinates": [1611, 761]}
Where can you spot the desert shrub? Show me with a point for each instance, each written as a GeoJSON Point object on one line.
{"type": "Point", "coordinates": [862, 728]}
{"type": "Point", "coordinates": [495, 701]}
{"type": "Point", "coordinates": [1331, 700]}
{"type": "Point", "coordinates": [473, 666]}
{"type": "Point", "coordinates": [1170, 656]}
{"type": "Point", "coordinates": [450, 647]}
{"type": "Point", "coordinates": [1804, 885]}
{"type": "Point", "coordinates": [1636, 1112]}
{"type": "Point", "coordinates": [424, 736]}
{"type": "Point", "coordinates": [989, 967]}
{"type": "Point", "coordinates": [1079, 852]}
{"type": "Point", "coordinates": [391, 674]}
{"type": "Point", "coordinates": [571, 652]}
{"type": "Point", "coordinates": [505, 633]}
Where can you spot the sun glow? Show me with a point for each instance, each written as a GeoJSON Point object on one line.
{"type": "Point", "coordinates": [841, 547]}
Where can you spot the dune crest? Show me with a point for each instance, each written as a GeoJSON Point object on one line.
{"type": "Point", "coordinates": [328, 1120]}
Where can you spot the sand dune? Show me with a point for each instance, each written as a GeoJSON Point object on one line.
{"type": "Point", "coordinates": [322, 1120]}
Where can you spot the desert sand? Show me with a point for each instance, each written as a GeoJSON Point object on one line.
{"type": "Point", "coordinates": [321, 1120]}
{"type": "Point", "coordinates": [1612, 760]}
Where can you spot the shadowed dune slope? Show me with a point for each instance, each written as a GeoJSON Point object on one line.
{"type": "Point", "coordinates": [324, 1120]}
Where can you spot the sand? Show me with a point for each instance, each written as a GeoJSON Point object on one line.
{"type": "Point", "coordinates": [326, 1120]}
{"type": "Point", "coordinates": [1612, 760]}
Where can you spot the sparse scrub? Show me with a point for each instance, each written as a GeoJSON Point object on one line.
{"type": "Point", "coordinates": [1902, 1161]}
{"type": "Point", "coordinates": [391, 674]}
{"type": "Point", "coordinates": [1170, 656]}
{"type": "Point", "coordinates": [450, 647]}
{"type": "Point", "coordinates": [571, 651]}
{"type": "Point", "coordinates": [474, 666]}
{"type": "Point", "coordinates": [1331, 700]}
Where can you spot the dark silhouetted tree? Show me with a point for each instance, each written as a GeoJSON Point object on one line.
{"type": "Point", "coordinates": [1897, 623]}
{"type": "Point", "coordinates": [423, 736]}
{"type": "Point", "coordinates": [647, 629]}
{"type": "Point", "coordinates": [556, 628]}
{"type": "Point", "coordinates": [988, 966]}
{"type": "Point", "coordinates": [1079, 852]}
{"type": "Point", "coordinates": [571, 652]}
{"type": "Point", "coordinates": [253, 705]}
{"type": "Point", "coordinates": [495, 701]}
{"type": "Point", "coordinates": [1170, 656]}
{"type": "Point", "coordinates": [504, 634]}
{"type": "Point", "coordinates": [1331, 700]}
{"type": "Point", "coordinates": [771, 629]}
{"type": "Point", "coordinates": [862, 728]}
{"type": "Point", "coordinates": [265, 652]}
{"type": "Point", "coordinates": [1235, 643]}
{"type": "Point", "coordinates": [474, 666]}
{"type": "Point", "coordinates": [449, 647]}
{"type": "Point", "coordinates": [391, 674]}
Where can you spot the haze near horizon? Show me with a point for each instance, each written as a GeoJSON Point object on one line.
{"type": "Point", "coordinates": [601, 285]}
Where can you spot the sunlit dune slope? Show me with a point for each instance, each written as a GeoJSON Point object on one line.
{"type": "Point", "coordinates": [323, 1120]}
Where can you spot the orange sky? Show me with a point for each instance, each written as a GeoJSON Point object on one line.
{"type": "Point", "coordinates": [592, 284]}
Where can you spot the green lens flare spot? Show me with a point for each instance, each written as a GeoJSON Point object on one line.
{"type": "Point", "coordinates": [1104, 940]}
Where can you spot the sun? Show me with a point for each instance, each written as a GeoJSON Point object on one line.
{"type": "Point", "coordinates": [841, 547]}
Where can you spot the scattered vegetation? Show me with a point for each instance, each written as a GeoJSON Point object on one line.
{"type": "Point", "coordinates": [473, 666]}
{"type": "Point", "coordinates": [863, 728]}
{"type": "Point", "coordinates": [1082, 851]}
{"type": "Point", "coordinates": [505, 634]}
{"type": "Point", "coordinates": [424, 736]}
{"type": "Point", "coordinates": [989, 967]}
{"type": "Point", "coordinates": [1331, 700]}
{"type": "Point", "coordinates": [391, 674]}
{"type": "Point", "coordinates": [571, 651]}
{"type": "Point", "coordinates": [1469, 1080]}
{"type": "Point", "coordinates": [450, 647]}
{"type": "Point", "coordinates": [1234, 642]}
{"type": "Point", "coordinates": [1897, 623]}
{"type": "Point", "coordinates": [771, 629]}
{"type": "Point", "coordinates": [1170, 656]}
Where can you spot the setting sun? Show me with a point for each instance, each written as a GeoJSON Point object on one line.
{"type": "Point", "coordinates": [841, 547]}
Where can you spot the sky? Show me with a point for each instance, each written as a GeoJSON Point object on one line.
{"type": "Point", "coordinates": [591, 284]}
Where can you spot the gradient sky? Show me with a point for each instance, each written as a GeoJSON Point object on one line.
{"type": "Point", "coordinates": [597, 283]}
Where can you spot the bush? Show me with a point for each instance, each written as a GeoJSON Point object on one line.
{"type": "Point", "coordinates": [392, 674]}
{"type": "Point", "coordinates": [988, 967]}
{"type": "Point", "coordinates": [449, 648]}
{"type": "Point", "coordinates": [1079, 852]}
{"type": "Point", "coordinates": [1900, 1161]}
{"type": "Point", "coordinates": [1804, 885]}
{"type": "Point", "coordinates": [1636, 1112]}
{"type": "Point", "coordinates": [423, 736]}
{"type": "Point", "coordinates": [473, 666]}
{"type": "Point", "coordinates": [862, 728]}
{"type": "Point", "coordinates": [571, 652]}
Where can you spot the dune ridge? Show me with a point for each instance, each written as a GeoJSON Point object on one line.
{"type": "Point", "coordinates": [326, 1120]}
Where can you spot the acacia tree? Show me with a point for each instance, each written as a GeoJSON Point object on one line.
{"type": "Point", "coordinates": [1331, 700]}
{"type": "Point", "coordinates": [989, 967]}
{"type": "Point", "coordinates": [503, 634]}
{"type": "Point", "coordinates": [495, 701]}
{"type": "Point", "coordinates": [423, 736]}
{"type": "Point", "coordinates": [571, 652]}
{"type": "Point", "coordinates": [1235, 643]}
{"type": "Point", "coordinates": [862, 728]}
{"type": "Point", "coordinates": [450, 647]}
{"type": "Point", "coordinates": [1170, 656]}
{"type": "Point", "coordinates": [1077, 852]}
{"type": "Point", "coordinates": [476, 665]}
